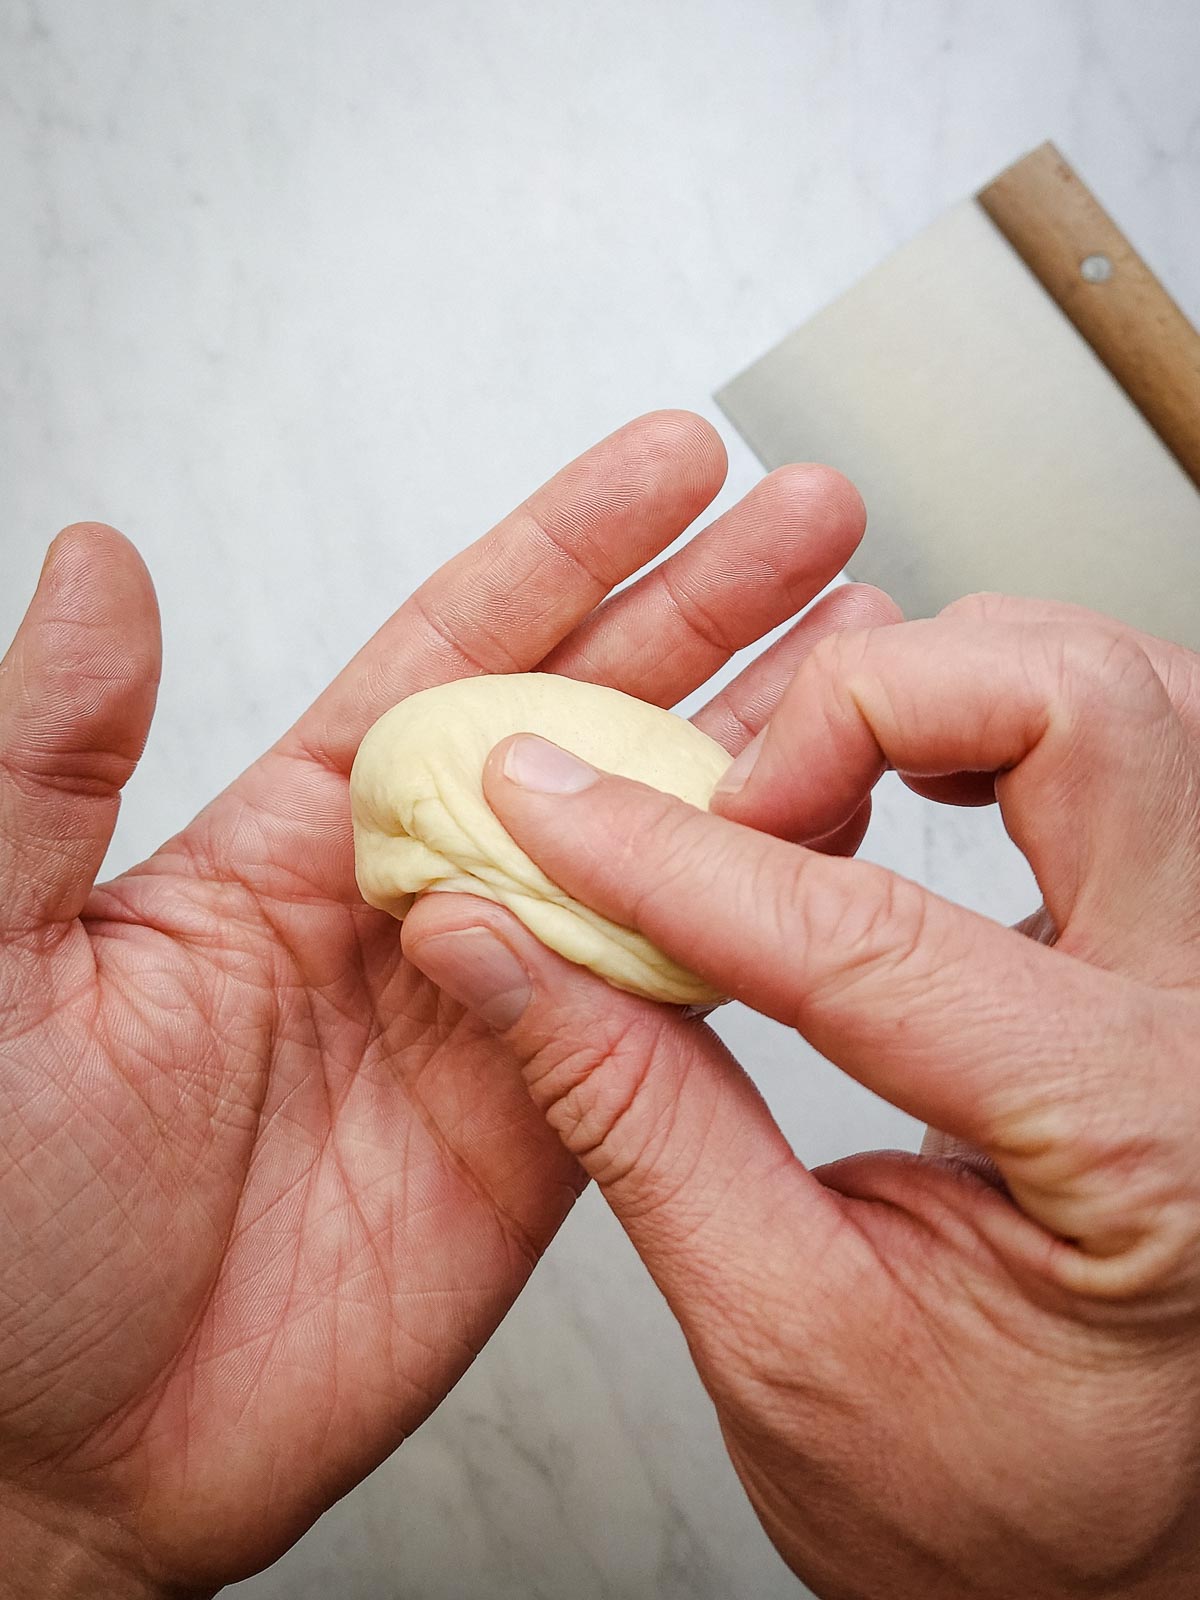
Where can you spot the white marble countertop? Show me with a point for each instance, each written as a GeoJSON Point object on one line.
{"type": "Point", "coordinates": [304, 295]}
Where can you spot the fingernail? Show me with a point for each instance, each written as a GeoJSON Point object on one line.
{"type": "Point", "coordinates": [735, 775]}
{"type": "Point", "coordinates": [536, 764]}
{"type": "Point", "coordinates": [480, 972]}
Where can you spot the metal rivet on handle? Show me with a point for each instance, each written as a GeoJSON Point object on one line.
{"type": "Point", "coordinates": [1095, 269]}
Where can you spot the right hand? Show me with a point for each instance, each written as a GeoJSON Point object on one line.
{"type": "Point", "coordinates": [975, 1371]}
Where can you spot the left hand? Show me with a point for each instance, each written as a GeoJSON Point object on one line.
{"type": "Point", "coordinates": [264, 1192]}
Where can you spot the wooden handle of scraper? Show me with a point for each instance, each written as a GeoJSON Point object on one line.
{"type": "Point", "coordinates": [1088, 267]}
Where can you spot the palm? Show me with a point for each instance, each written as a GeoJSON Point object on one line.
{"type": "Point", "coordinates": [329, 1190]}
{"type": "Point", "coordinates": [267, 1191]}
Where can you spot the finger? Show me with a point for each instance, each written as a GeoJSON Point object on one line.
{"type": "Point", "coordinates": [784, 929]}
{"type": "Point", "coordinates": [651, 1104]}
{"type": "Point", "coordinates": [1052, 1067]}
{"type": "Point", "coordinates": [754, 567]}
{"type": "Point", "coordinates": [1096, 776]}
{"type": "Point", "coordinates": [77, 691]}
{"type": "Point", "coordinates": [1178, 668]}
{"type": "Point", "coordinates": [741, 709]}
{"type": "Point", "coordinates": [502, 604]}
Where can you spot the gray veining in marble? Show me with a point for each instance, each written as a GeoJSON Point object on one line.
{"type": "Point", "coordinates": [303, 295]}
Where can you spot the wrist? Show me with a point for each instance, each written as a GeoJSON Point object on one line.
{"type": "Point", "coordinates": [53, 1551]}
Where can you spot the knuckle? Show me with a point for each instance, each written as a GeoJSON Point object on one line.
{"type": "Point", "coordinates": [686, 602]}
{"type": "Point", "coordinates": [483, 650]}
{"type": "Point", "coordinates": [591, 1086]}
{"type": "Point", "coordinates": [1123, 1229]}
{"type": "Point", "coordinates": [1110, 1174]}
{"type": "Point", "coordinates": [1094, 666]}
{"type": "Point", "coordinates": [866, 926]}
{"type": "Point", "coordinates": [1104, 691]}
{"type": "Point", "coordinates": [1179, 670]}
{"type": "Point", "coordinates": [773, 905]}
{"type": "Point", "coordinates": [1109, 656]}
{"type": "Point", "coordinates": [1136, 1259]}
{"type": "Point", "coordinates": [838, 656]}
{"type": "Point", "coordinates": [661, 857]}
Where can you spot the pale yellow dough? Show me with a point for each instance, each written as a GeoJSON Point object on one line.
{"type": "Point", "coordinates": [421, 821]}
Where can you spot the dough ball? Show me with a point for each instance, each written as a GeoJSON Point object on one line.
{"type": "Point", "coordinates": [421, 821]}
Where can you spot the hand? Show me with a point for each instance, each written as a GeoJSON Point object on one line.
{"type": "Point", "coordinates": [976, 1371]}
{"type": "Point", "coordinates": [264, 1193]}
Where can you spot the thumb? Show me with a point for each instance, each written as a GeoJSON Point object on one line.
{"type": "Point", "coordinates": [77, 691]}
{"type": "Point", "coordinates": [649, 1102]}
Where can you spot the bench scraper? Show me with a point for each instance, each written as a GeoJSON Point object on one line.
{"type": "Point", "coordinates": [1017, 398]}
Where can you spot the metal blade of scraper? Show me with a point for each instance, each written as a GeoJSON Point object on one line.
{"type": "Point", "coordinates": [993, 447]}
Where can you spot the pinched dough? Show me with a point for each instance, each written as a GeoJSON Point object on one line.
{"type": "Point", "coordinates": [421, 821]}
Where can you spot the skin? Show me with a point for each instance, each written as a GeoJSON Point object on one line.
{"type": "Point", "coordinates": [265, 1190]}
{"type": "Point", "coordinates": [975, 1371]}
